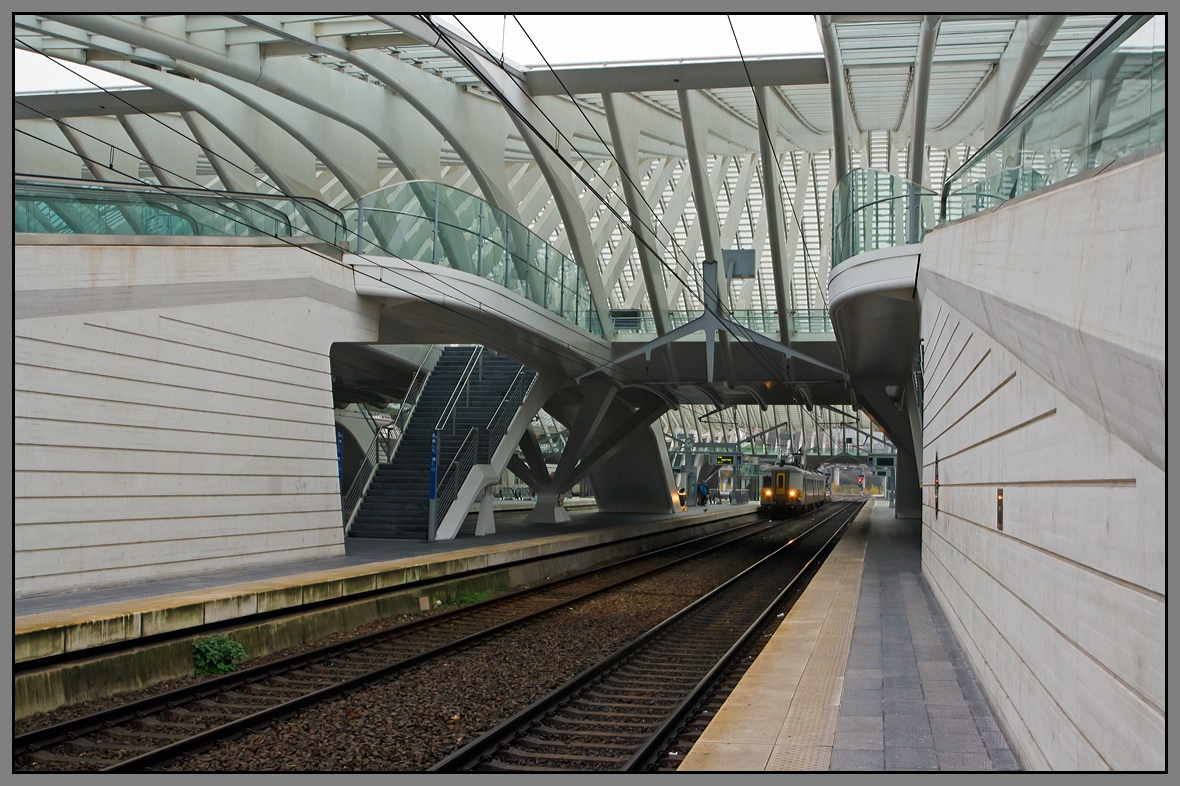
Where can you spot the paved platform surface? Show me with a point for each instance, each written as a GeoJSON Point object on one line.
{"type": "Point", "coordinates": [510, 527]}
{"type": "Point", "coordinates": [863, 674]}
{"type": "Point", "coordinates": [53, 624]}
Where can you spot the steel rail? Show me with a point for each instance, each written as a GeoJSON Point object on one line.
{"type": "Point", "coordinates": [30, 742]}
{"type": "Point", "coordinates": [61, 731]}
{"type": "Point", "coordinates": [660, 736]}
{"type": "Point", "coordinates": [470, 754]}
{"type": "Point", "coordinates": [230, 624]}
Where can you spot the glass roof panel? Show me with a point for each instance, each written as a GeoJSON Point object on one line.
{"type": "Point", "coordinates": [813, 104]}
{"type": "Point", "coordinates": [878, 95]}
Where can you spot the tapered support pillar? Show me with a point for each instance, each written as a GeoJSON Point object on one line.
{"type": "Point", "coordinates": [548, 510]}
{"type": "Point", "coordinates": [486, 523]}
{"type": "Point", "coordinates": [909, 493]}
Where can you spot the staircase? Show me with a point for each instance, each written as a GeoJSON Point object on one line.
{"type": "Point", "coordinates": [397, 504]}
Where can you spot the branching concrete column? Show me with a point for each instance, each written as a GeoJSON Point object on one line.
{"type": "Point", "coordinates": [601, 427]}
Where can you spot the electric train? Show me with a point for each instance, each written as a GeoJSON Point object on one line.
{"type": "Point", "coordinates": [789, 489]}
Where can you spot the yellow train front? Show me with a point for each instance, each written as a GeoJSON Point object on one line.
{"type": "Point", "coordinates": [788, 490]}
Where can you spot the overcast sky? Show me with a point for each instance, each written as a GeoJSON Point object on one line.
{"type": "Point", "coordinates": [563, 39]}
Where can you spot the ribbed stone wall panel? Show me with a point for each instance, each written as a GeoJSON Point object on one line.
{"type": "Point", "coordinates": [1063, 611]}
{"type": "Point", "coordinates": [173, 409]}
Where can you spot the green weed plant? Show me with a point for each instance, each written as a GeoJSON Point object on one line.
{"type": "Point", "coordinates": [217, 655]}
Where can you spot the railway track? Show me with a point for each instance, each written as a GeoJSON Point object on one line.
{"type": "Point", "coordinates": [626, 712]}
{"type": "Point", "coordinates": [153, 731]}
{"type": "Point", "coordinates": [206, 629]}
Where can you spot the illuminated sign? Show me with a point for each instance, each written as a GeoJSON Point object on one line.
{"type": "Point", "coordinates": [724, 460]}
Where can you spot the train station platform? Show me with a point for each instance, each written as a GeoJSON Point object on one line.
{"type": "Point", "coordinates": [50, 625]}
{"type": "Point", "coordinates": [863, 674]}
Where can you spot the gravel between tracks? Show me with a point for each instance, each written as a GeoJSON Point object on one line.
{"type": "Point", "coordinates": [42, 719]}
{"type": "Point", "coordinates": [413, 719]}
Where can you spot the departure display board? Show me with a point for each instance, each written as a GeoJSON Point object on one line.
{"type": "Point", "coordinates": [724, 460]}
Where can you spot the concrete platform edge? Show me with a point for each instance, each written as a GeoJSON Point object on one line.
{"type": "Point", "coordinates": [138, 668]}
{"type": "Point", "coordinates": [782, 714]}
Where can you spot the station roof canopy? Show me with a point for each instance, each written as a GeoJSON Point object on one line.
{"type": "Point", "coordinates": [877, 53]}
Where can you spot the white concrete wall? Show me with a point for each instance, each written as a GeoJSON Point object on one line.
{"type": "Point", "coordinates": [173, 408]}
{"type": "Point", "coordinates": [1063, 612]}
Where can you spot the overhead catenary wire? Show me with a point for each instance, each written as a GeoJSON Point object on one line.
{"type": "Point", "coordinates": [774, 153]}
{"type": "Point", "coordinates": [765, 361]}
{"type": "Point", "coordinates": [415, 295]}
{"type": "Point", "coordinates": [635, 375]}
{"type": "Point", "coordinates": [815, 184]}
{"type": "Point", "coordinates": [618, 215]}
{"type": "Point", "coordinates": [759, 352]}
{"type": "Point", "coordinates": [251, 174]}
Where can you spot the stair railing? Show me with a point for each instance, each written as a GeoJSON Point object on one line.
{"type": "Point", "coordinates": [469, 454]}
{"type": "Point", "coordinates": [386, 443]}
{"type": "Point", "coordinates": [460, 389]}
{"type": "Point", "coordinates": [498, 423]}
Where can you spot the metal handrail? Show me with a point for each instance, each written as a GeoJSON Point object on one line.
{"type": "Point", "coordinates": [464, 381]}
{"type": "Point", "coordinates": [507, 394]}
{"type": "Point", "coordinates": [1064, 77]}
{"type": "Point", "coordinates": [151, 194]}
{"type": "Point", "coordinates": [350, 505]}
{"type": "Point", "coordinates": [467, 455]}
{"type": "Point", "coordinates": [448, 486]}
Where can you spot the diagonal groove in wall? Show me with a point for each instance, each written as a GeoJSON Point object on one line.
{"type": "Point", "coordinates": [942, 381]}
{"type": "Point", "coordinates": [1061, 710]}
{"type": "Point", "coordinates": [955, 392]}
{"type": "Point", "coordinates": [1139, 425]}
{"type": "Point", "coordinates": [978, 657]}
{"type": "Point", "coordinates": [243, 335]}
{"type": "Point", "coordinates": [1064, 636]}
{"type": "Point", "coordinates": [974, 407]}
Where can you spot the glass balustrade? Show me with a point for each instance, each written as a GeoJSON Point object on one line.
{"type": "Point", "coordinates": [873, 209]}
{"type": "Point", "coordinates": [431, 222]}
{"type": "Point", "coordinates": [74, 207]}
{"type": "Point", "coordinates": [1110, 102]}
{"type": "Point", "coordinates": [764, 322]}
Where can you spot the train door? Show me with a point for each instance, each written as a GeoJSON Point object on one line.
{"type": "Point", "coordinates": [780, 484]}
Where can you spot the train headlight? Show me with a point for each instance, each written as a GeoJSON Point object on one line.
{"type": "Point", "coordinates": [766, 492]}
{"type": "Point", "coordinates": [791, 493]}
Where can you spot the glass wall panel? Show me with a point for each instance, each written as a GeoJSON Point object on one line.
{"type": "Point", "coordinates": [433, 222]}
{"type": "Point", "coordinates": [873, 209]}
{"type": "Point", "coordinates": [1107, 104]}
{"type": "Point", "coordinates": [67, 206]}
